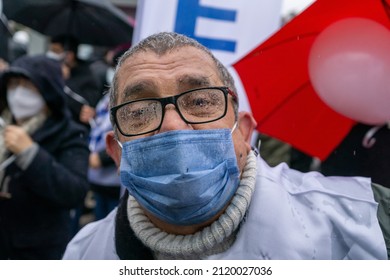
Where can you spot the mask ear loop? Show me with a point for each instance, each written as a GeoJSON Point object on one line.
{"type": "Point", "coordinates": [234, 127]}
{"type": "Point", "coordinates": [119, 143]}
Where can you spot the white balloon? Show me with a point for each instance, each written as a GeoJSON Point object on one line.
{"type": "Point", "coordinates": [349, 67]}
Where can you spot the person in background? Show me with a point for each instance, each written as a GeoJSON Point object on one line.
{"type": "Point", "coordinates": [273, 151]}
{"type": "Point", "coordinates": [43, 161]}
{"type": "Point", "coordinates": [82, 87]}
{"type": "Point", "coordinates": [82, 95]}
{"type": "Point", "coordinates": [196, 189]}
{"type": "Point", "coordinates": [3, 65]}
{"type": "Point", "coordinates": [360, 154]}
{"type": "Point", "coordinates": [18, 45]}
{"type": "Point", "coordinates": [102, 175]}
{"type": "Point", "coordinates": [100, 65]}
{"type": "Point", "coordinates": [103, 66]}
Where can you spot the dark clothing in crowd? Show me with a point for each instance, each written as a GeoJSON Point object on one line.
{"type": "Point", "coordinates": [35, 221]}
{"type": "Point", "coordinates": [351, 158]}
{"type": "Point", "coordinates": [103, 177]}
{"type": "Point", "coordinates": [83, 83]}
{"type": "Point", "coordinates": [99, 69]}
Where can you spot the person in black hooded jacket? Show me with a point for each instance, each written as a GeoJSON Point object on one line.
{"type": "Point", "coordinates": [43, 161]}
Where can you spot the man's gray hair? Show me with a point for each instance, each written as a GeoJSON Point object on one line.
{"type": "Point", "coordinates": [162, 43]}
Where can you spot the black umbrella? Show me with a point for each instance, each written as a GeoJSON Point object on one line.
{"type": "Point", "coordinates": [94, 22]}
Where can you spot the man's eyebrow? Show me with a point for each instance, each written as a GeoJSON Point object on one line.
{"type": "Point", "coordinates": [137, 90]}
{"type": "Point", "coordinates": [194, 81]}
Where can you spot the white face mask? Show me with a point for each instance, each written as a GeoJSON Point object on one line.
{"type": "Point", "coordinates": [24, 102]}
{"type": "Point", "coordinates": [110, 75]}
{"type": "Point", "coordinates": [55, 56]}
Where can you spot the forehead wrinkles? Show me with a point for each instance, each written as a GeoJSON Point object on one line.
{"type": "Point", "coordinates": [149, 65]}
{"type": "Point", "coordinates": [167, 62]}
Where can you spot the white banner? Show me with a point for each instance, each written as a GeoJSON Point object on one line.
{"type": "Point", "coordinates": [229, 28]}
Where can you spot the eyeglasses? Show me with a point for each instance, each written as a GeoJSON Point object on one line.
{"type": "Point", "coordinates": [195, 106]}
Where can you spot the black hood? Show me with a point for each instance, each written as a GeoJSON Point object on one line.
{"type": "Point", "coordinates": [45, 74]}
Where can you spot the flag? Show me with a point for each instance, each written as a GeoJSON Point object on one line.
{"type": "Point", "coordinates": [230, 29]}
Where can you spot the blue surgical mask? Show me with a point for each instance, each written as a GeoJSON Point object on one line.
{"type": "Point", "coordinates": [183, 177]}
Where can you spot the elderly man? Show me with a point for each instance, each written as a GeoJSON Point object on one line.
{"type": "Point", "coordinates": [195, 189]}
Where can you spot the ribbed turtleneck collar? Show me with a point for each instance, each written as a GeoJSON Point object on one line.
{"type": "Point", "coordinates": [214, 239]}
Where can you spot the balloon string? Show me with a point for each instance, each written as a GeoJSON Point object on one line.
{"type": "Point", "coordinates": [369, 140]}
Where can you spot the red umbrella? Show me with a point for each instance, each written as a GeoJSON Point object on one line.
{"type": "Point", "coordinates": [276, 78]}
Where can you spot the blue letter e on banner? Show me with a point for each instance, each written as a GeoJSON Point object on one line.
{"type": "Point", "coordinates": [187, 13]}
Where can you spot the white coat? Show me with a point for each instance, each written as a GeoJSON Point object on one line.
{"type": "Point", "coordinates": [292, 215]}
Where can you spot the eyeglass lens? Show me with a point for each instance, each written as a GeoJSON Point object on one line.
{"type": "Point", "coordinates": [197, 106]}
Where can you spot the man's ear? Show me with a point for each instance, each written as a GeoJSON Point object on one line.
{"type": "Point", "coordinates": [246, 125]}
{"type": "Point", "coordinates": [112, 147]}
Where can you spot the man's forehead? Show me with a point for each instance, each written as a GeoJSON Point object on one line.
{"type": "Point", "coordinates": [180, 52]}
{"type": "Point", "coordinates": [188, 67]}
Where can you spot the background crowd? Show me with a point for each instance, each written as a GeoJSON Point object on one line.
{"type": "Point", "coordinates": [62, 178]}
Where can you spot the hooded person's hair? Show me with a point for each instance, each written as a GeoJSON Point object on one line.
{"type": "Point", "coordinates": [45, 74]}
{"type": "Point", "coordinates": [69, 42]}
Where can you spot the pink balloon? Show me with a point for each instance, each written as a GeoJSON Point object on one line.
{"type": "Point", "coordinates": [349, 67]}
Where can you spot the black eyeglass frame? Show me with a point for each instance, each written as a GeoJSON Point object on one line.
{"type": "Point", "coordinates": [172, 100]}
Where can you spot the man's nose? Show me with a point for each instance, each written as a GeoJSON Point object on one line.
{"type": "Point", "coordinates": [172, 120]}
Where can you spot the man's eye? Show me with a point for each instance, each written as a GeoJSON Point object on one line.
{"type": "Point", "coordinates": [200, 102]}
{"type": "Point", "coordinates": [137, 114]}
{"type": "Point", "coordinates": [138, 111]}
